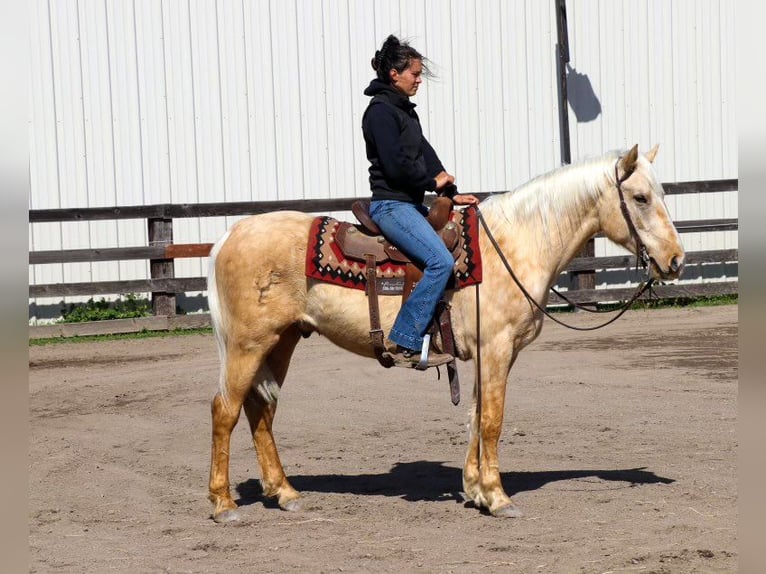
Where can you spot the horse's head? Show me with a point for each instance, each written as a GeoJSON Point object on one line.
{"type": "Point", "coordinates": [634, 215]}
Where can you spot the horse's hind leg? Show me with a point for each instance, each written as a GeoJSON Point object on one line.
{"type": "Point", "coordinates": [241, 368]}
{"type": "Point", "coordinates": [260, 408]}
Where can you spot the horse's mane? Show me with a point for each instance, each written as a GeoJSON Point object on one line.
{"type": "Point", "coordinates": [552, 200]}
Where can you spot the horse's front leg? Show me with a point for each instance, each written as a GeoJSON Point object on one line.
{"type": "Point", "coordinates": [481, 472]}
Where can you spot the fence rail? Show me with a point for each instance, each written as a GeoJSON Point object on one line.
{"type": "Point", "coordinates": [181, 210]}
{"type": "Point", "coordinates": [161, 251]}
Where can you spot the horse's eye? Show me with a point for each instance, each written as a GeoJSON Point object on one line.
{"type": "Point", "coordinates": [640, 198]}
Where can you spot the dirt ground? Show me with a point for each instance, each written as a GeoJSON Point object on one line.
{"type": "Point", "coordinates": [619, 445]}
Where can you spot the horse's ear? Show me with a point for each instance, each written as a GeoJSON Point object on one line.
{"type": "Point", "coordinates": [652, 153]}
{"type": "Point", "coordinates": [628, 162]}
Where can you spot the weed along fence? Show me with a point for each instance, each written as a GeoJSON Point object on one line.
{"type": "Point", "coordinates": [161, 252]}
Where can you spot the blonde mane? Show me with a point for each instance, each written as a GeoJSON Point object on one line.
{"type": "Point", "coordinates": [552, 202]}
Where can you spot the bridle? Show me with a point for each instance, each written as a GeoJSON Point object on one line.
{"type": "Point", "coordinates": [642, 259]}
{"type": "Point", "coordinates": [642, 255]}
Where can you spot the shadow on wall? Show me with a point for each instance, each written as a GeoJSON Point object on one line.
{"type": "Point", "coordinates": [582, 98]}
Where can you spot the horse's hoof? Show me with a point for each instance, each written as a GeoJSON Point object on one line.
{"type": "Point", "coordinates": [508, 511]}
{"type": "Point", "coordinates": [476, 500]}
{"type": "Point", "coordinates": [226, 516]}
{"type": "Point", "coordinates": [294, 505]}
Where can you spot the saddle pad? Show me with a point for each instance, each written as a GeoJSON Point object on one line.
{"type": "Point", "coordinates": [326, 262]}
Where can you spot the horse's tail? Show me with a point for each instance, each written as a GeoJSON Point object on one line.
{"type": "Point", "coordinates": [218, 314]}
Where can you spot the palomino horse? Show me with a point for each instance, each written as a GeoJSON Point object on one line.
{"type": "Point", "coordinates": [261, 304]}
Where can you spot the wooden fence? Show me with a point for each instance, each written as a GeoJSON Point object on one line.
{"type": "Point", "coordinates": [161, 251]}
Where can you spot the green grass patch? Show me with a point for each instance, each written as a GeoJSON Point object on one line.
{"type": "Point", "coordinates": [129, 307]}
{"type": "Point", "coordinates": [677, 303]}
{"type": "Point", "coordinates": [680, 302]}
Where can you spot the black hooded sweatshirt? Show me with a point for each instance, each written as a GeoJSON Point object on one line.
{"type": "Point", "coordinates": [403, 164]}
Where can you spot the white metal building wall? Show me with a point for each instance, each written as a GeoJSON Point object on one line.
{"type": "Point", "coordinates": [664, 72]}
{"type": "Point", "coordinates": [185, 101]}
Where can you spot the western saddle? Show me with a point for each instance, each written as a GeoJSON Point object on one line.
{"type": "Point", "coordinates": [365, 243]}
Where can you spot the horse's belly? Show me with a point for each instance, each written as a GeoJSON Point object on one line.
{"type": "Point", "coordinates": [342, 315]}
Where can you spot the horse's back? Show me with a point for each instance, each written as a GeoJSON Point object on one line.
{"type": "Point", "coordinates": [259, 268]}
{"type": "Point", "coordinates": [281, 223]}
{"type": "Point", "coordinates": [268, 237]}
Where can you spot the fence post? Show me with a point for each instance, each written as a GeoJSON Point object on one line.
{"type": "Point", "coordinates": [161, 233]}
{"type": "Point", "coordinates": [582, 280]}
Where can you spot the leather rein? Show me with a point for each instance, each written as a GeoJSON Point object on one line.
{"type": "Point", "coordinates": [642, 258]}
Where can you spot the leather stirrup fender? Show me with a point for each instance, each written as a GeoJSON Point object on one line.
{"type": "Point", "coordinates": [376, 333]}
{"type": "Point", "coordinates": [448, 343]}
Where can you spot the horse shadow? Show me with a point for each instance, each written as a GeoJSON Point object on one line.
{"type": "Point", "coordinates": [433, 481]}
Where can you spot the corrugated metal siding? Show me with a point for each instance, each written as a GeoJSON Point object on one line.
{"type": "Point", "coordinates": [147, 101]}
{"type": "Point", "coordinates": [663, 72]}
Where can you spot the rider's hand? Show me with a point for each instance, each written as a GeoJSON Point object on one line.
{"type": "Point", "coordinates": [443, 179]}
{"type": "Point", "coordinates": [465, 199]}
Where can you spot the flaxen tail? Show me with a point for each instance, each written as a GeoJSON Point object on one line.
{"type": "Point", "coordinates": [218, 314]}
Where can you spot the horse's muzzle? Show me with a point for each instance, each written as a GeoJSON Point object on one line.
{"type": "Point", "coordinates": [672, 270]}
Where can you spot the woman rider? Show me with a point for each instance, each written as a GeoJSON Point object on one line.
{"type": "Point", "coordinates": [403, 166]}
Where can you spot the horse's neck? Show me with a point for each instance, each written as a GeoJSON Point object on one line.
{"type": "Point", "coordinates": [532, 232]}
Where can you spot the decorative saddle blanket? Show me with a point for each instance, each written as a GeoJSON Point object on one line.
{"type": "Point", "coordinates": [327, 261]}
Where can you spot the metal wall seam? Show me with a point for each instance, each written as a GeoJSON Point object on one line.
{"type": "Point", "coordinates": [43, 157]}
{"type": "Point", "coordinates": [97, 130]}
{"type": "Point", "coordinates": [71, 151]}
{"type": "Point", "coordinates": [261, 124]}
{"type": "Point", "coordinates": [287, 112]}
{"type": "Point", "coordinates": [313, 101]}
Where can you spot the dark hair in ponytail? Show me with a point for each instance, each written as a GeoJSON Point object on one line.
{"type": "Point", "coordinates": [396, 55]}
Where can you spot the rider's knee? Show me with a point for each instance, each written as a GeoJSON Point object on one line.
{"type": "Point", "coordinates": [443, 264]}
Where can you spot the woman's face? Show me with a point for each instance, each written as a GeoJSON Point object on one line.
{"type": "Point", "coordinates": [409, 80]}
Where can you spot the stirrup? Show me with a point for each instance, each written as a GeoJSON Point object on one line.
{"type": "Point", "coordinates": [424, 348]}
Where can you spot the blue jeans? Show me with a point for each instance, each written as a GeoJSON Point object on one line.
{"type": "Point", "coordinates": [405, 225]}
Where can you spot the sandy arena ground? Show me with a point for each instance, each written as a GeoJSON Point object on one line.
{"type": "Point", "coordinates": [619, 445]}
